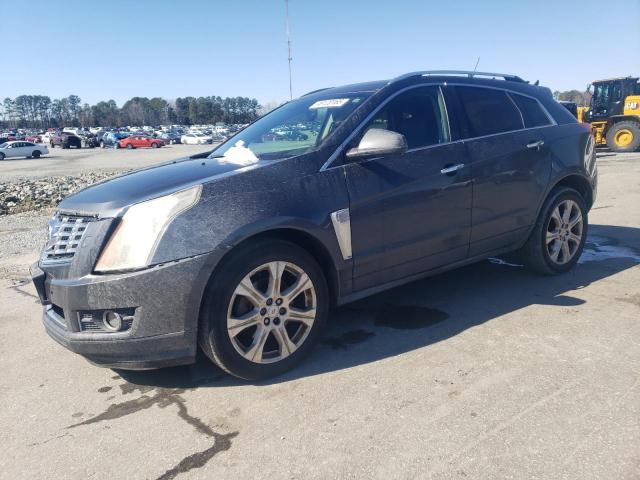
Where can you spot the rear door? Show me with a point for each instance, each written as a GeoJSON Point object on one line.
{"type": "Point", "coordinates": [510, 164]}
{"type": "Point", "coordinates": [410, 212]}
{"type": "Point", "coordinates": [18, 149]}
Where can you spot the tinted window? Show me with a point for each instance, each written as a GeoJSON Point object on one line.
{"type": "Point", "coordinates": [418, 114]}
{"type": "Point", "coordinates": [488, 111]}
{"type": "Point", "coordinates": [532, 113]}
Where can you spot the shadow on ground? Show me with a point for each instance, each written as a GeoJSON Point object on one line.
{"type": "Point", "coordinates": [428, 311]}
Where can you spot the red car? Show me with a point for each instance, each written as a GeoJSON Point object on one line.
{"type": "Point", "coordinates": [138, 141]}
{"type": "Point", "coordinates": [34, 139]}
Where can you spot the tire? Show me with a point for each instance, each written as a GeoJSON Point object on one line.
{"type": "Point", "coordinates": [154, 145]}
{"type": "Point", "coordinates": [222, 298]}
{"type": "Point", "coordinates": [36, 154]}
{"type": "Point", "coordinates": [536, 254]}
{"type": "Point", "coordinates": [624, 136]}
{"type": "Point", "coordinates": [101, 144]}
{"type": "Point", "coordinates": [1, 156]}
{"type": "Point", "coordinates": [129, 146]}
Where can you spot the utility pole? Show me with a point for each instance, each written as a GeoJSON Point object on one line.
{"type": "Point", "coordinates": [286, 6]}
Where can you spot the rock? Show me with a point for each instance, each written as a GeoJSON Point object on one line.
{"type": "Point", "coordinates": [44, 193]}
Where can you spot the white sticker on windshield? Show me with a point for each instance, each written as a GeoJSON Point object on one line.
{"type": "Point", "coordinates": [332, 103]}
{"type": "Point", "coordinates": [239, 154]}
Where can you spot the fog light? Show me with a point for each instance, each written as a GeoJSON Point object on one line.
{"type": "Point", "coordinates": [112, 320]}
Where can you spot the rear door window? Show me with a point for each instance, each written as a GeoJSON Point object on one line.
{"type": "Point", "coordinates": [488, 111]}
{"type": "Point", "coordinates": [532, 112]}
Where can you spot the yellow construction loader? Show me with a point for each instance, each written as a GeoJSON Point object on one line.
{"type": "Point", "coordinates": [614, 113]}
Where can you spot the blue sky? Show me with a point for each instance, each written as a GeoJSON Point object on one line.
{"type": "Point", "coordinates": [119, 49]}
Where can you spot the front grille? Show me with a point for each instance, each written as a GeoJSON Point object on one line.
{"type": "Point", "coordinates": [65, 234]}
{"type": "Point", "coordinates": [58, 310]}
{"type": "Point", "coordinates": [58, 316]}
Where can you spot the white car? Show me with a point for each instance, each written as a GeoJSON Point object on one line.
{"type": "Point", "coordinates": [46, 137]}
{"type": "Point", "coordinates": [22, 149]}
{"type": "Point", "coordinates": [195, 139]}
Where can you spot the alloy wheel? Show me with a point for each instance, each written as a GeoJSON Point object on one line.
{"type": "Point", "coordinates": [564, 232]}
{"type": "Point", "coordinates": [271, 312]}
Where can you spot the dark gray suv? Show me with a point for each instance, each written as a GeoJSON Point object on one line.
{"type": "Point", "coordinates": [243, 250]}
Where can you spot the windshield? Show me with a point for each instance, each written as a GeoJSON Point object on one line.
{"type": "Point", "coordinates": [4, 145]}
{"type": "Point", "coordinates": [607, 92]}
{"type": "Point", "coordinates": [293, 129]}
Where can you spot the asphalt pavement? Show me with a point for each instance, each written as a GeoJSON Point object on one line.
{"type": "Point", "coordinates": [484, 372]}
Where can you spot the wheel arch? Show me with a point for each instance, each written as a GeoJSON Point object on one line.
{"type": "Point", "coordinates": [303, 239]}
{"type": "Point", "coordinates": [611, 121]}
{"type": "Point", "coordinates": [578, 183]}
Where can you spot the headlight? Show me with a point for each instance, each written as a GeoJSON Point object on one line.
{"type": "Point", "coordinates": [134, 241]}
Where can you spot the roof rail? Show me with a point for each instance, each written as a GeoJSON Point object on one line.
{"type": "Point", "coordinates": [316, 91]}
{"type": "Point", "coordinates": [471, 74]}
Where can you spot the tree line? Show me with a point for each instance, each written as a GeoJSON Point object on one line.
{"type": "Point", "coordinates": [581, 98]}
{"type": "Point", "coordinates": [40, 111]}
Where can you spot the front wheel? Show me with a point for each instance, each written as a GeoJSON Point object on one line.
{"type": "Point", "coordinates": [624, 136]}
{"type": "Point", "coordinates": [129, 146]}
{"type": "Point", "coordinates": [1, 156]}
{"type": "Point", "coordinates": [264, 309]}
{"type": "Point", "coordinates": [558, 237]}
{"type": "Point", "coordinates": [154, 145]}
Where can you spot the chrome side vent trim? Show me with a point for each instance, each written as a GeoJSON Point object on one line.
{"type": "Point", "coordinates": [341, 220]}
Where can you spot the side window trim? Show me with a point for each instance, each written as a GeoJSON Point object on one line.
{"type": "Point", "coordinates": [551, 120]}
{"type": "Point", "coordinates": [524, 125]}
{"type": "Point", "coordinates": [340, 148]}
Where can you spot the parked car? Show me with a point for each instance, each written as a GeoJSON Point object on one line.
{"type": "Point", "coordinates": [65, 140]}
{"type": "Point", "coordinates": [88, 140]}
{"type": "Point", "coordinates": [243, 251]}
{"type": "Point", "coordinates": [170, 138]}
{"type": "Point", "coordinates": [140, 141]}
{"type": "Point", "coordinates": [22, 149]}
{"type": "Point", "coordinates": [195, 139]}
{"type": "Point", "coordinates": [112, 139]}
{"type": "Point", "coordinates": [34, 138]}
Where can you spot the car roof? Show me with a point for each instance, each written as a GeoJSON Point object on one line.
{"type": "Point", "coordinates": [499, 80]}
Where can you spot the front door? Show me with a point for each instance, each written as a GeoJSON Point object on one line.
{"type": "Point", "coordinates": [411, 212]}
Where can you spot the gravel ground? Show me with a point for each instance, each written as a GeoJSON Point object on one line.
{"type": "Point", "coordinates": [72, 162]}
{"type": "Point", "coordinates": [21, 237]}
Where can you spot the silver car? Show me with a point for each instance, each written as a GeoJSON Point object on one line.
{"type": "Point", "coordinates": [22, 149]}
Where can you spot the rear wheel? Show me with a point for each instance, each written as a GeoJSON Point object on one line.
{"type": "Point", "coordinates": [36, 154]}
{"type": "Point", "coordinates": [624, 136]}
{"type": "Point", "coordinates": [263, 310]}
{"type": "Point", "coordinates": [558, 237]}
{"type": "Point", "coordinates": [154, 145]}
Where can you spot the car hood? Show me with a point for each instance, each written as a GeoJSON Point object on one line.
{"type": "Point", "coordinates": [108, 198]}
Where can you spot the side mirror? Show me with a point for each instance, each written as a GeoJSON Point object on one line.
{"type": "Point", "coordinates": [377, 143]}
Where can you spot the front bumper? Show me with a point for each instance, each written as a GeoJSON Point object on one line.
{"type": "Point", "coordinates": [163, 300]}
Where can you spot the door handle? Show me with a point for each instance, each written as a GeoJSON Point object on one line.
{"type": "Point", "coordinates": [452, 169]}
{"type": "Point", "coordinates": [535, 145]}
